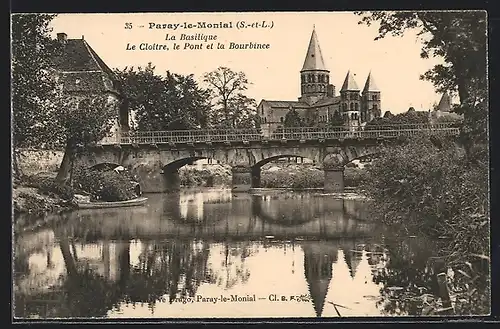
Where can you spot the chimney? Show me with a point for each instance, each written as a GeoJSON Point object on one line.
{"type": "Point", "coordinates": [330, 90]}
{"type": "Point", "coordinates": [62, 37]}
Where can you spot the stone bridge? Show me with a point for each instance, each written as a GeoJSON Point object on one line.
{"type": "Point", "coordinates": [155, 157]}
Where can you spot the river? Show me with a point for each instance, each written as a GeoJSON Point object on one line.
{"type": "Point", "coordinates": [211, 253]}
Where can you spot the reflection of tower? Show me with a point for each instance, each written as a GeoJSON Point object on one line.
{"type": "Point", "coordinates": [351, 256]}
{"type": "Point", "coordinates": [319, 258]}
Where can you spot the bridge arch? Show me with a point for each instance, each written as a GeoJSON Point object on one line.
{"type": "Point", "coordinates": [265, 161]}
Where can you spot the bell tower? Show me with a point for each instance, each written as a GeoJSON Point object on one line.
{"type": "Point", "coordinates": [370, 107]}
{"type": "Point", "coordinates": [314, 77]}
{"type": "Point", "coordinates": [350, 101]}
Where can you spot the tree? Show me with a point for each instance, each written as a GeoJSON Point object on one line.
{"type": "Point", "coordinates": [33, 83]}
{"type": "Point", "coordinates": [459, 37]}
{"type": "Point", "coordinates": [164, 103]}
{"type": "Point", "coordinates": [231, 108]}
{"type": "Point", "coordinates": [81, 122]}
{"type": "Point", "coordinates": [406, 118]}
{"type": "Point", "coordinates": [242, 112]}
{"type": "Point", "coordinates": [336, 120]}
{"type": "Point", "coordinates": [293, 119]}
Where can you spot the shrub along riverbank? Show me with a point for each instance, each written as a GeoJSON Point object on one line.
{"type": "Point", "coordinates": [40, 194]}
{"type": "Point", "coordinates": [432, 187]}
{"type": "Point", "coordinates": [298, 177]}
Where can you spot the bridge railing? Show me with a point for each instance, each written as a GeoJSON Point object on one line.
{"type": "Point", "coordinates": [298, 133]}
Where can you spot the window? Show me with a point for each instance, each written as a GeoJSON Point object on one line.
{"type": "Point", "coordinates": [356, 107]}
{"type": "Point", "coordinates": [281, 119]}
{"type": "Point", "coordinates": [352, 106]}
{"type": "Point", "coordinates": [374, 97]}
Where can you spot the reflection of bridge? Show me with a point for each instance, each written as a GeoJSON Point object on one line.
{"type": "Point", "coordinates": [244, 217]}
{"type": "Point", "coordinates": [156, 156]}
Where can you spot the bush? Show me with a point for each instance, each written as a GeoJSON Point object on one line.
{"type": "Point", "coordinates": [354, 177]}
{"type": "Point", "coordinates": [204, 177]}
{"type": "Point", "coordinates": [305, 178]}
{"type": "Point", "coordinates": [434, 187]}
{"type": "Point", "coordinates": [105, 185]}
{"type": "Point", "coordinates": [48, 186]}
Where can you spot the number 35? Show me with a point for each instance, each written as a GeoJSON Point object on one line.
{"type": "Point", "coordinates": [128, 26]}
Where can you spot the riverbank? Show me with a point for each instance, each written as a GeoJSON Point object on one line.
{"type": "Point", "coordinates": [29, 198]}
{"type": "Point", "coordinates": [274, 175]}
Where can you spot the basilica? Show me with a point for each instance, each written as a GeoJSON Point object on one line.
{"type": "Point", "coordinates": [318, 103]}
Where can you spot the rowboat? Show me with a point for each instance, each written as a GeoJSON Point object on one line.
{"type": "Point", "coordinates": [114, 204]}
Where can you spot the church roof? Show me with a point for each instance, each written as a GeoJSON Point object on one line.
{"type": "Point", "coordinates": [445, 103]}
{"type": "Point", "coordinates": [349, 83]}
{"type": "Point", "coordinates": [370, 84]}
{"type": "Point", "coordinates": [286, 104]}
{"type": "Point", "coordinates": [326, 101]}
{"type": "Point", "coordinates": [314, 58]}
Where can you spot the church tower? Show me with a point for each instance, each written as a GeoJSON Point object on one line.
{"type": "Point", "coordinates": [350, 101]}
{"type": "Point", "coordinates": [370, 105]}
{"type": "Point", "coordinates": [314, 77]}
{"type": "Point", "coordinates": [444, 103]}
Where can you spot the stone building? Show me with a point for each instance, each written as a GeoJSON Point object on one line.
{"type": "Point", "coordinates": [83, 74]}
{"type": "Point", "coordinates": [318, 103]}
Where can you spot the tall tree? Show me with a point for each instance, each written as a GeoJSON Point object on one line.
{"type": "Point", "coordinates": [33, 85]}
{"type": "Point", "coordinates": [459, 37]}
{"type": "Point", "coordinates": [231, 108]}
{"type": "Point", "coordinates": [164, 103]}
{"type": "Point", "coordinates": [82, 122]}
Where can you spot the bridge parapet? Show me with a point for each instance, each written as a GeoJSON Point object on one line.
{"type": "Point", "coordinates": [296, 134]}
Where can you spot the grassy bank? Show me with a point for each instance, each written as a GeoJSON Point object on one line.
{"type": "Point", "coordinates": [274, 176]}
{"type": "Point", "coordinates": [39, 194]}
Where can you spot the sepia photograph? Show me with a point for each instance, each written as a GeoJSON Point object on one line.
{"type": "Point", "coordinates": [243, 165]}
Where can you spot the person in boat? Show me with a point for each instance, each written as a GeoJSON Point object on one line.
{"type": "Point", "coordinates": [137, 186]}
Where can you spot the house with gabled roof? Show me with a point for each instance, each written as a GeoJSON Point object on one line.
{"type": "Point", "coordinates": [82, 73]}
{"type": "Point", "coordinates": [318, 103]}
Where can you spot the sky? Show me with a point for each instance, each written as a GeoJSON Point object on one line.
{"type": "Point", "coordinates": [395, 62]}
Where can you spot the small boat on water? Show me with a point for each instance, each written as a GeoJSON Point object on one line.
{"type": "Point", "coordinates": [104, 204]}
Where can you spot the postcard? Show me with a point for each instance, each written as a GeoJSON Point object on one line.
{"type": "Point", "coordinates": [250, 165]}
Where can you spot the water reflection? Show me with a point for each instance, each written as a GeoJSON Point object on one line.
{"type": "Point", "coordinates": [174, 256]}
